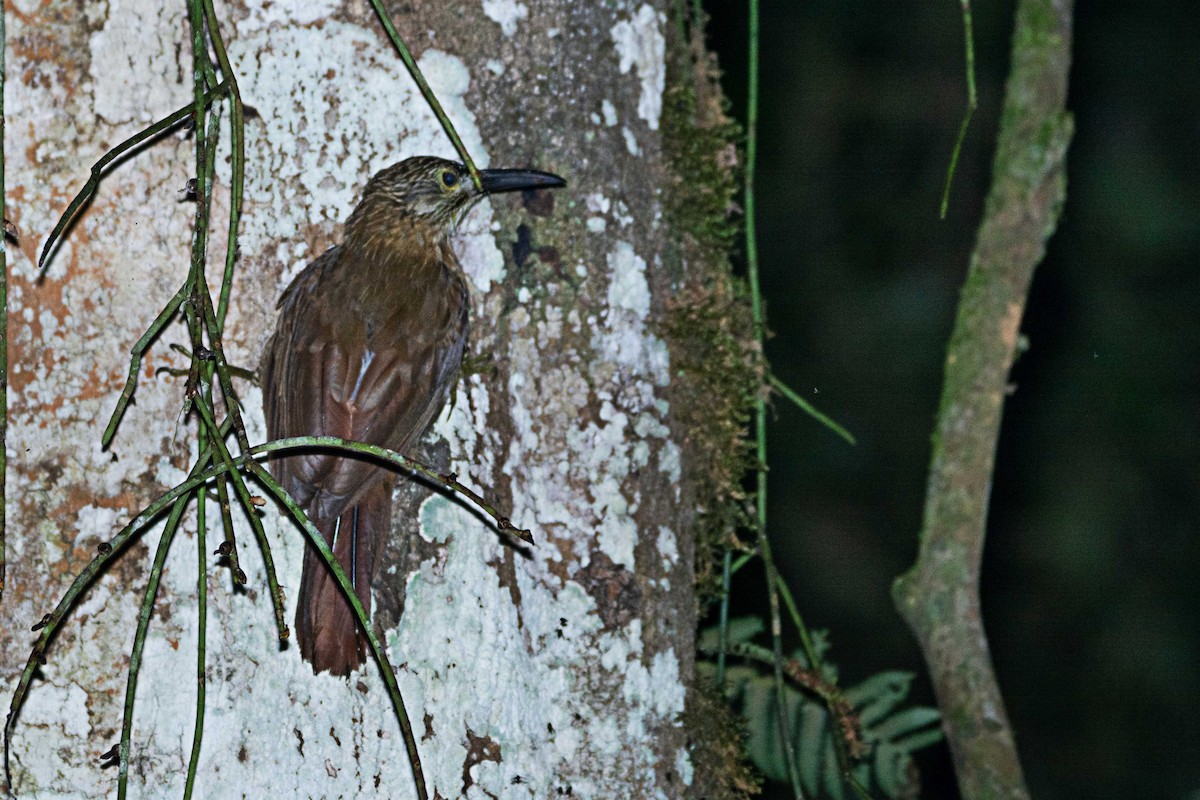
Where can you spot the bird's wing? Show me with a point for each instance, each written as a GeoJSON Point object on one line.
{"type": "Point", "coordinates": [328, 375]}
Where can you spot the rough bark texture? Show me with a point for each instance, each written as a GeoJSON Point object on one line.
{"type": "Point", "coordinates": [939, 597]}
{"type": "Point", "coordinates": [559, 671]}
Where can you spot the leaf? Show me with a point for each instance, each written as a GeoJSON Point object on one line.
{"type": "Point", "coordinates": [833, 771]}
{"type": "Point", "coordinates": [741, 630]}
{"type": "Point", "coordinates": [878, 695]}
{"type": "Point", "coordinates": [889, 763]}
{"type": "Point", "coordinates": [895, 734]}
{"type": "Point", "coordinates": [763, 745]}
{"type": "Point", "coordinates": [906, 721]}
{"type": "Point", "coordinates": [808, 745]}
{"type": "Point", "coordinates": [919, 741]}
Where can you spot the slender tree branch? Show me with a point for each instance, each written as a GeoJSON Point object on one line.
{"type": "Point", "coordinates": [939, 596]}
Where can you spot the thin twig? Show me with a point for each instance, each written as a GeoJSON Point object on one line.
{"type": "Point", "coordinates": [810, 409]}
{"type": "Point", "coordinates": [743, 560]}
{"type": "Point", "coordinates": [89, 188]}
{"type": "Point", "coordinates": [201, 628]}
{"type": "Point", "coordinates": [135, 363]}
{"type": "Point", "coordinates": [207, 434]}
{"type": "Point", "coordinates": [399, 460]}
{"type": "Point", "coordinates": [426, 92]}
{"type": "Point", "coordinates": [972, 103]}
{"type": "Point", "coordinates": [760, 406]}
{"type": "Point", "coordinates": [202, 185]}
{"type": "Point", "coordinates": [237, 139]}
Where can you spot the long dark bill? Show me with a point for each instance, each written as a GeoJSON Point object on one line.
{"type": "Point", "coordinates": [512, 180]}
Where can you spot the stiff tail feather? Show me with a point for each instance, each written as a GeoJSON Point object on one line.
{"type": "Point", "coordinates": [326, 628]}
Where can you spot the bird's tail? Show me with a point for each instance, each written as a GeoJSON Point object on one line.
{"type": "Point", "coordinates": [326, 629]}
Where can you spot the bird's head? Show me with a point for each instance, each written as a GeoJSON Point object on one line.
{"type": "Point", "coordinates": [440, 191]}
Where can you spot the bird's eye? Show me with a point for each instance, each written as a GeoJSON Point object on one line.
{"type": "Point", "coordinates": [449, 179]}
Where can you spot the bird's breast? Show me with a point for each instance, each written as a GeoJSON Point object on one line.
{"type": "Point", "coordinates": [379, 278]}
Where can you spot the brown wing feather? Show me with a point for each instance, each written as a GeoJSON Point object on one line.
{"type": "Point", "coordinates": [315, 381]}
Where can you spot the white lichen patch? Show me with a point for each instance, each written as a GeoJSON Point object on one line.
{"type": "Point", "coordinates": [669, 462]}
{"type": "Point", "coordinates": [475, 245]}
{"type": "Point", "coordinates": [631, 142]}
{"type": "Point", "coordinates": [96, 524]}
{"type": "Point", "coordinates": [462, 424]}
{"type": "Point", "coordinates": [505, 13]}
{"type": "Point", "coordinates": [151, 54]}
{"type": "Point", "coordinates": [641, 46]}
{"type": "Point", "coordinates": [667, 548]}
{"type": "Point", "coordinates": [53, 714]}
{"type": "Point", "coordinates": [657, 687]}
{"type": "Point", "coordinates": [598, 205]}
{"type": "Point", "coordinates": [622, 214]}
{"type": "Point", "coordinates": [627, 287]}
{"type": "Point", "coordinates": [683, 766]}
{"type": "Point", "coordinates": [603, 452]}
{"type": "Point", "coordinates": [63, 708]}
{"type": "Point", "coordinates": [609, 111]}
{"type": "Point", "coordinates": [282, 13]}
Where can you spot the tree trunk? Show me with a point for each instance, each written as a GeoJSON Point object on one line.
{"type": "Point", "coordinates": [560, 670]}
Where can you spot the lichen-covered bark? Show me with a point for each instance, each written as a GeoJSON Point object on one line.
{"type": "Point", "coordinates": [560, 669]}
{"type": "Point", "coordinates": [939, 596]}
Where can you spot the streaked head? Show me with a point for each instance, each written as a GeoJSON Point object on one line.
{"type": "Point", "coordinates": [441, 191]}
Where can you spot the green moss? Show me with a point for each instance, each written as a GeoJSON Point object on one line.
{"type": "Point", "coordinates": [703, 158]}
{"type": "Point", "coordinates": [719, 369]}
{"type": "Point", "coordinates": [718, 372]}
{"type": "Point", "coordinates": [717, 737]}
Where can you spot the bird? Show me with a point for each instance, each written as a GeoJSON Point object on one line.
{"type": "Point", "coordinates": [368, 342]}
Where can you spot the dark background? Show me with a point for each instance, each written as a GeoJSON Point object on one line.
{"type": "Point", "coordinates": [1090, 580]}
